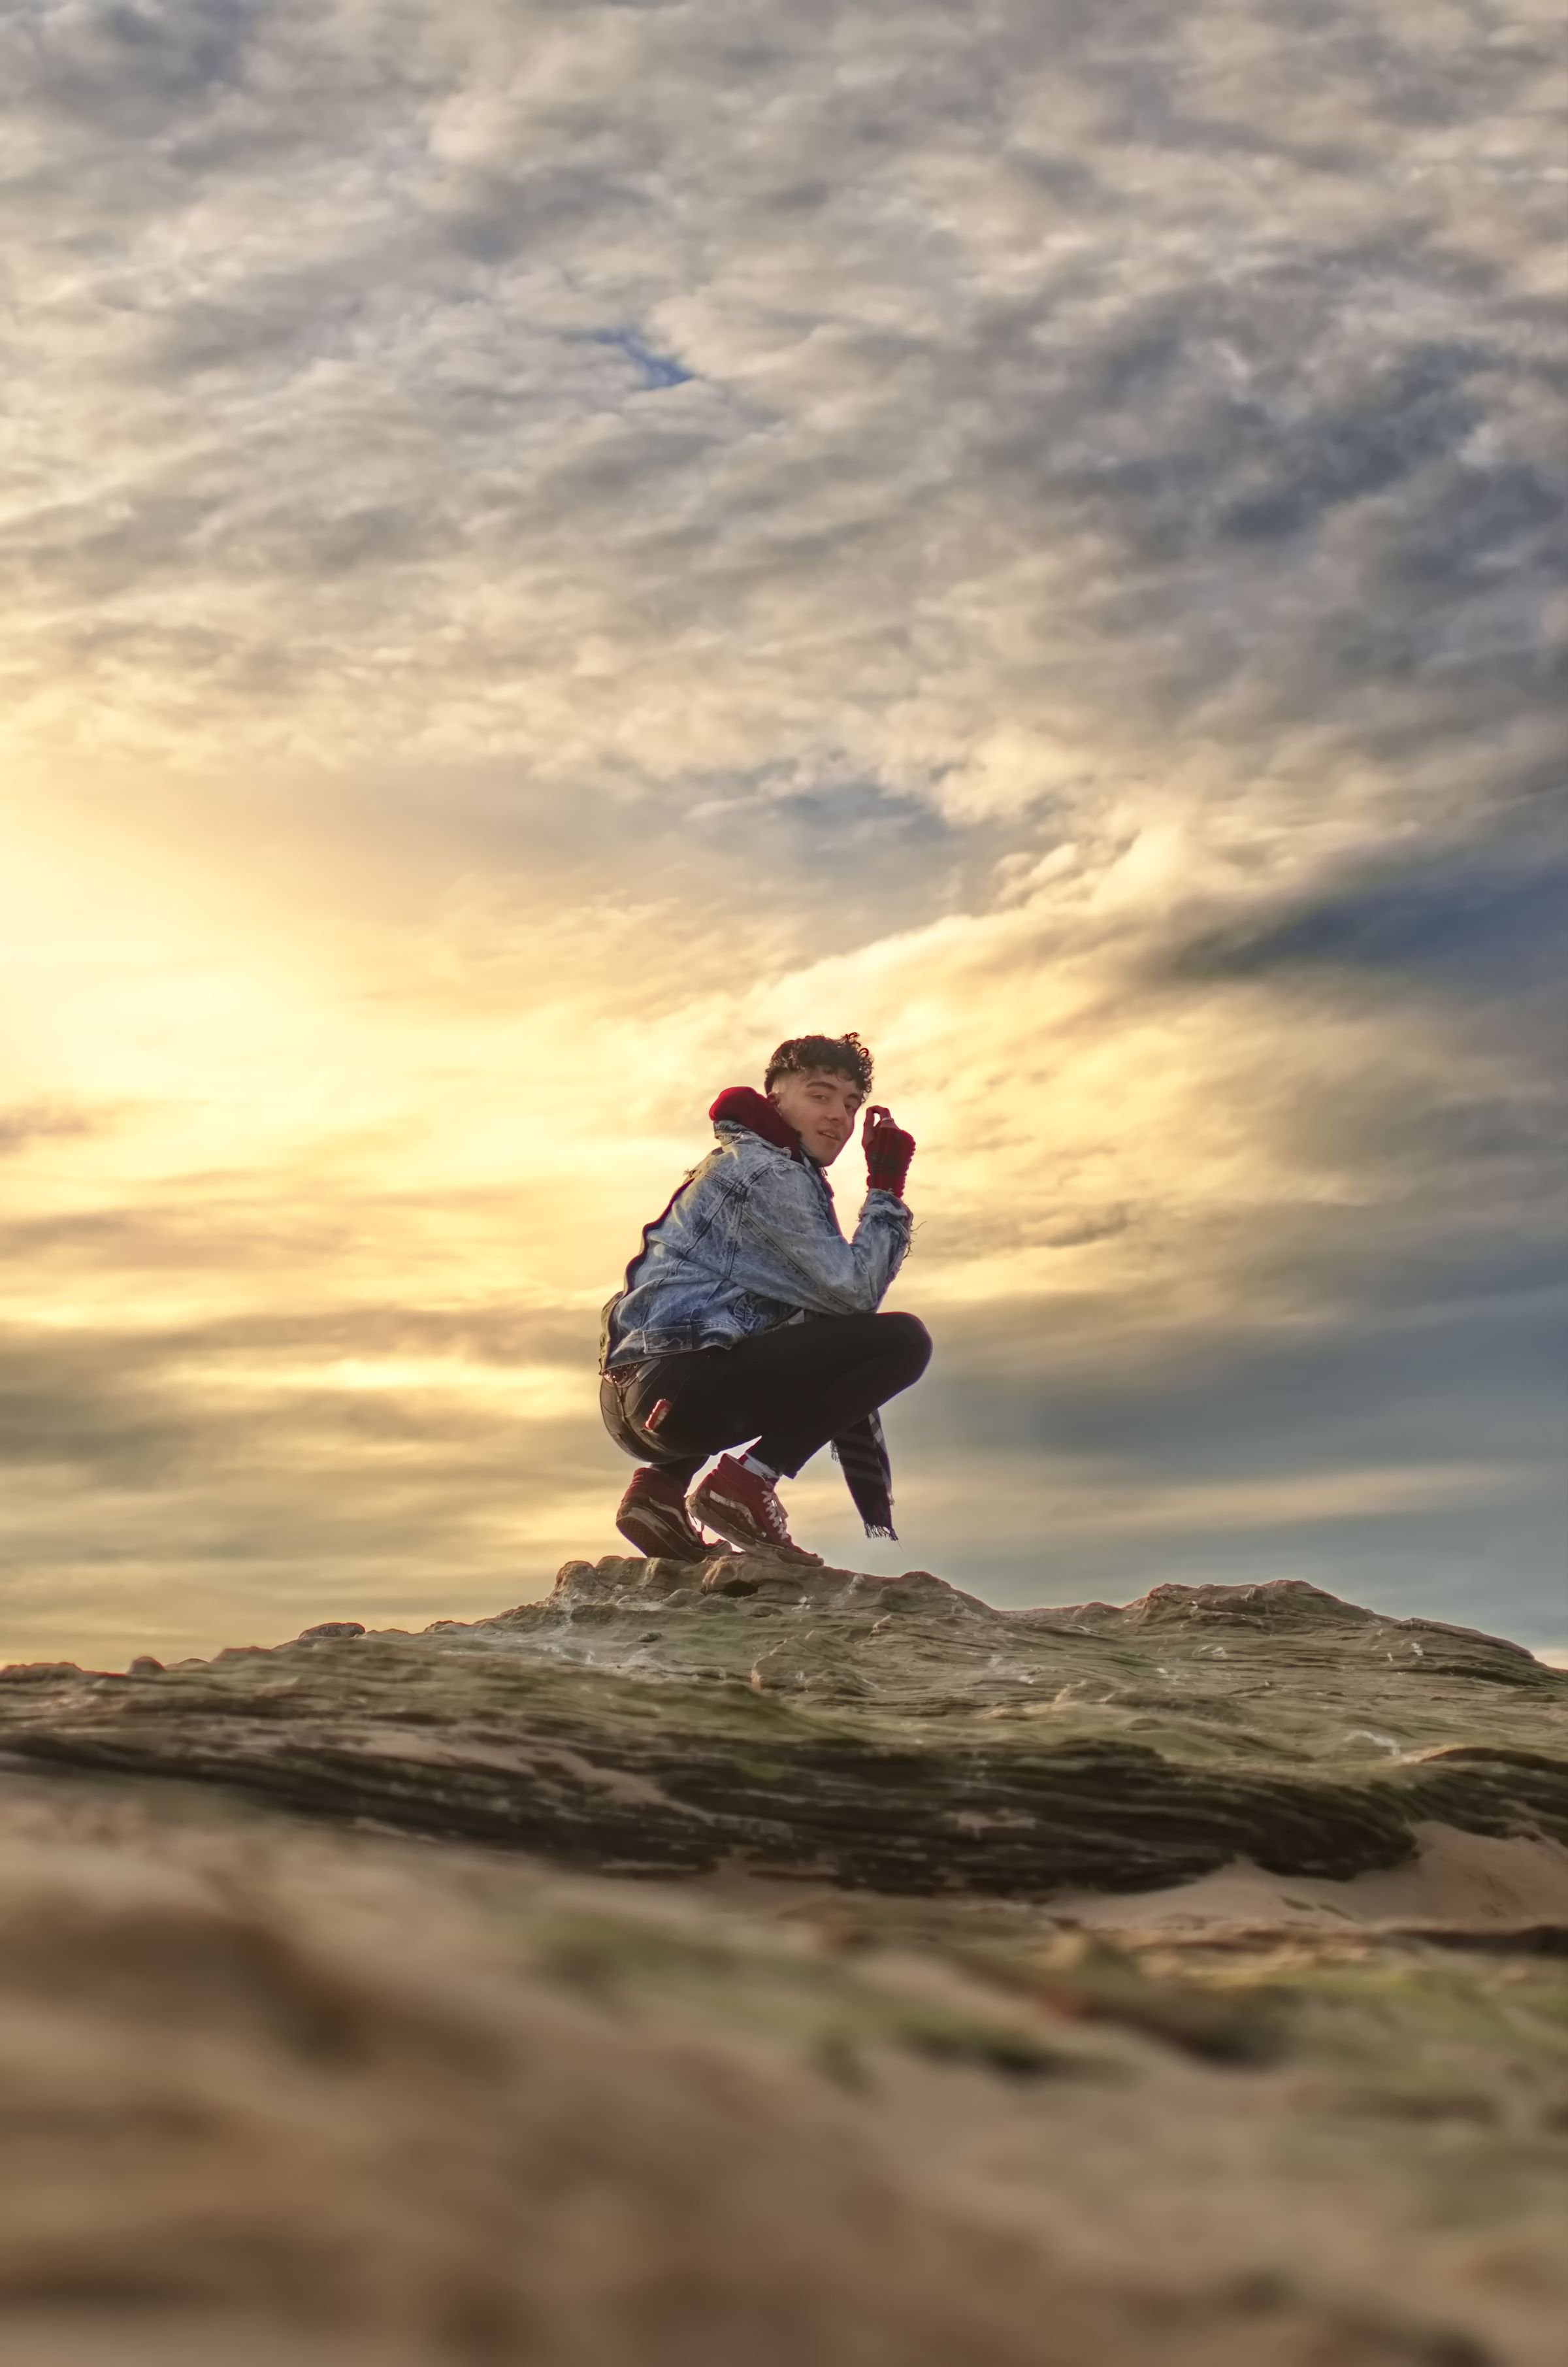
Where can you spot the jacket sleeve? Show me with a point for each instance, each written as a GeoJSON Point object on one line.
{"type": "Point", "coordinates": [786, 1235]}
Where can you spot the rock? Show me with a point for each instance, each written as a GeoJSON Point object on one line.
{"type": "Point", "coordinates": [144, 1665]}
{"type": "Point", "coordinates": [733, 1577]}
{"type": "Point", "coordinates": [617, 1578]}
{"type": "Point", "coordinates": [883, 2087]}
{"type": "Point", "coordinates": [893, 1734]}
{"type": "Point", "coordinates": [316, 2101]}
{"type": "Point", "coordinates": [589, 1583]}
{"type": "Point", "coordinates": [1276, 1603]}
{"type": "Point", "coordinates": [329, 1630]}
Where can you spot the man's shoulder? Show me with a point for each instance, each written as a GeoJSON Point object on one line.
{"type": "Point", "coordinates": [743, 1150]}
{"type": "Point", "coordinates": [768, 1177]}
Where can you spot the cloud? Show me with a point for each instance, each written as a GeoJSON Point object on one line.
{"type": "Point", "coordinates": [548, 547]}
{"type": "Point", "coordinates": [647, 388]}
{"type": "Point", "coordinates": [1486, 917]}
{"type": "Point", "coordinates": [26, 1123]}
{"type": "Point", "coordinates": [173, 1483]}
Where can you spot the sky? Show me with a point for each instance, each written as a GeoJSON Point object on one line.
{"type": "Point", "coordinates": [548, 548]}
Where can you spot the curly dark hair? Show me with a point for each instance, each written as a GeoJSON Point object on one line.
{"type": "Point", "coordinates": [845, 1055]}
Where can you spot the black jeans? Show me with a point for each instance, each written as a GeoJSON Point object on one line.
{"type": "Point", "coordinates": [792, 1389]}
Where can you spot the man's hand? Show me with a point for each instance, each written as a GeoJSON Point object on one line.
{"type": "Point", "coordinates": [887, 1152]}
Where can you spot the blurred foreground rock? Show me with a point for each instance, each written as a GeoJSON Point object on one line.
{"type": "Point", "coordinates": [1176, 1986]}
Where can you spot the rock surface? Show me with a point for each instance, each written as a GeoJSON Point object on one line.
{"type": "Point", "coordinates": [285, 2085]}
{"type": "Point", "coordinates": [893, 1734]}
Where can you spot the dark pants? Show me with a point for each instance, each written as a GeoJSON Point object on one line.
{"type": "Point", "coordinates": [790, 1390]}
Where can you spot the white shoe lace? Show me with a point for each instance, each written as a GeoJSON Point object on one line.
{"type": "Point", "coordinates": [768, 1512]}
{"type": "Point", "coordinates": [773, 1513]}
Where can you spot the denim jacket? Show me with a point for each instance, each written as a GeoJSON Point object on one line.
{"type": "Point", "coordinates": [749, 1241]}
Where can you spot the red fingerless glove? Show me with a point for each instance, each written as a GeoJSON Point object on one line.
{"type": "Point", "coordinates": [887, 1152]}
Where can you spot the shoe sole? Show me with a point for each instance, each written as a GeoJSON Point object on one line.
{"type": "Point", "coordinates": [738, 1531]}
{"type": "Point", "coordinates": [660, 1544]}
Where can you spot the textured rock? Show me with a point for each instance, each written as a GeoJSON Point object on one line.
{"type": "Point", "coordinates": [295, 2093]}
{"type": "Point", "coordinates": [888, 1734]}
{"type": "Point", "coordinates": [288, 2098]}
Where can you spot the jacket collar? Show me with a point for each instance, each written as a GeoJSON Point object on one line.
{"type": "Point", "coordinates": [744, 1106]}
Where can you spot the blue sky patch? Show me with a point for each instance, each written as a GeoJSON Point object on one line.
{"type": "Point", "coordinates": [653, 369]}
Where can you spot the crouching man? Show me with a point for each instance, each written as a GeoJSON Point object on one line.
{"type": "Point", "coordinates": [747, 1318]}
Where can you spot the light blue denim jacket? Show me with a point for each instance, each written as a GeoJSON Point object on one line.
{"type": "Point", "coordinates": [749, 1241]}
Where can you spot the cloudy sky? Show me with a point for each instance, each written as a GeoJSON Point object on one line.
{"type": "Point", "coordinates": [547, 547]}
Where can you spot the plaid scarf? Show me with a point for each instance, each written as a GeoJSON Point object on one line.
{"type": "Point", "coordinates": [862, 1454]}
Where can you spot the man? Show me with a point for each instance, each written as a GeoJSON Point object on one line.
{"type": "Point", "coordinates": [746, 1317]}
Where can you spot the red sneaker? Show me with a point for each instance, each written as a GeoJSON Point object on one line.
{"type": "Point", "coordinates": [742, 1507]}
{"type": "Point", "coordinates": [654, 1518]}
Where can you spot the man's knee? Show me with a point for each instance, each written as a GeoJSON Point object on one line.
{"type": "Point", "coordinates": [908, 1338]}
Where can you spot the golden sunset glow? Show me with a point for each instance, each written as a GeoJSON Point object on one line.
{"type": "Point", "coordinates": [548, 558]}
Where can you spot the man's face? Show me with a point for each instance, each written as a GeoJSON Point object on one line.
{"type": "Point", "coordinates": [820, 1105]}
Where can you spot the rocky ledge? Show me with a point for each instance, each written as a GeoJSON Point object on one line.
{"type": "Point", "coordinates": [887, 1735]}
